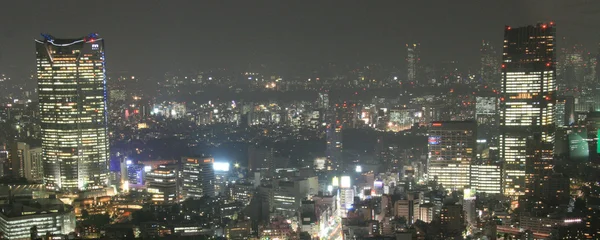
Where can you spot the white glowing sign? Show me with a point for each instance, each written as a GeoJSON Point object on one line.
{"type": "Point", "coordinates": [221, 166]}
{"type": "Point", "coordinates": [345, 182]}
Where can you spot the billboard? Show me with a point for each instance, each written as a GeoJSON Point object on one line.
{"type": "Point", "coordinates": [433, 140]}
{"type": "Point", "coordinates": [578, 145]}
{"type": "Point", "coordinates": [345, 182]}
{"type": "Point", "coordinates": [221, 166]}
{"type": "Point", "coordinates": [335, 182]}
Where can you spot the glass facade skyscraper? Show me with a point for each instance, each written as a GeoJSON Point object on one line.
{"type": "Point", "coordinates": [72, 100]}
{"type": "Point", "coordinates": [527, 105]}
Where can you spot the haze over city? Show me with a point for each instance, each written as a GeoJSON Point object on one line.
{"type": "Point", "coordinates": [300, 120]}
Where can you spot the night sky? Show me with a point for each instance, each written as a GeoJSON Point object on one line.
{"type": "Point", "coordinates": [151, 37]}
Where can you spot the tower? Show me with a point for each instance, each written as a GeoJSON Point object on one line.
{"type": "Point", "coordinates": [413, 60]}
{"type": "Point", "coordinates": [527, 103]}
{"type": "Point", "coordinates": [490, 69]}
{"type": "Point", "coordinates": [334, 147]}
{"type": "Point", "coordinates": [72, 100]}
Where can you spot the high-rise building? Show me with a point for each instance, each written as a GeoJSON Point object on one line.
{"type": "Point", "coordinates": [527, 102]}
{"type": "Point", "coordinates": [72, 101]}
{"type": "Point", "coordinates": [334, 146]}
{"type": "Point", "coordinates": [452, 218]}
{"type": "Point", "coordinates": [346, 195]}
{"type": "Point", "coordinates": [490, 68]}
{"type": "Point", "coordinates": [486, 177]}
{"type": "Point", "coordinates": [565, 111]}
{"type": "Point", "coordinates": [413, 60]}
{"type": "Point", "coordinates": [162, 184]}
{"type": "Point", "coordinates": [486, 115]}
{"type": "Point", "coordinates": [26, 161]}
{"type": "Point", "coordinates": [198, 177]}
{"type": "Point", "coordinates": [451, 147]}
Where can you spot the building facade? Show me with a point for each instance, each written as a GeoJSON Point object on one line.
{"type": "Point", "coordinates": [486, 177]}
{"type": "Point", "coordinates": [451, 147]}
{"type": "Point", "coordinates": [413, 60]}
{"type": "Point", "coordinates": [72, 101]}
{"type": "Point", "coordinates": [527, 103]}
{"type": "Point", "coordinates": [198, 177]}
{"type": "Point", "coordinates": [47, 215]}
{"type": "Point", "coordinates": [162, 184]}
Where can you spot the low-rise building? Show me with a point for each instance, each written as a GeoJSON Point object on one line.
{"type": "Point", "coordinates": [50, 215]}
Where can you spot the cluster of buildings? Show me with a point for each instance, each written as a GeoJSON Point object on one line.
{"type": "Point", "coordinates": [509, 156]}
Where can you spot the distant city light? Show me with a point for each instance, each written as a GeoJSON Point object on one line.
{"type": "Point", "coordinates": [147, 168]}
{"type": "Point", "coordinates": [335, 181]}
{"type": "Point", "coordinates": [128, 162]}
{"type": "Point", "coordinates": [358, 169]}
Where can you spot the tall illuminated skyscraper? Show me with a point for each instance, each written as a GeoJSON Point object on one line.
{"type": "Point", "coordinates": [334, 147]}
{"type": "Point", "coordinates": [72, 99]}
{"type": "Point", "coordinates": [413, 60]}
{"type": "Point", "coordinates": [527, 105]}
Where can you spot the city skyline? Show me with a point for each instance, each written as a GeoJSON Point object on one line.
{"type": "Point", "coordinates": [331, 34]}
{"type": "Point", "coordinates": [300, 120]}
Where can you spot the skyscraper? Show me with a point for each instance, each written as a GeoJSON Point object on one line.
{"type": "Point", "coordinates": [490, 69]}
{"type": "Point", "coordinates": [413, 59]}
{"type": "Point", "coordinates": [451, 152]}
{"type": "Point", "coordinates": [72, 101]}
{"type": "Point", "coordinates": [334, 146]}
{"type": "Point", "coordinates": [527, 102]}
{"type": "Point", "coordinates": [198, 177]}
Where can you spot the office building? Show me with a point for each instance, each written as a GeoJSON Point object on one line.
{"type": "Point", "coordinates": [242, 192]}
{"type": "Point", "coordinates": [426, 212]}
{"type": "Point", "coordinates": [135, 174]}
{"type": "Point", "coordinates": [287, 195]}
{"type": "Point", "coordinates": [408, 208]}
{"type": "Point", "coordinates": [26, 162]}
{"type": "Point", "coordinates": [490, 67]}
{"type": "Point", "coordinates": [334, 146]}
{"type": "Point", "coordinates": [346, 195]}
{"type": "Point", "coordinates": [565, 111]}
{"type": "Point", "coordinates": [413, 60]}
{"type": "Point", "coordinates": [49, 215]}
{"type": "Point", "coordinates": [72, 102]}
{"type": "Point", "coordinates": [451, 147]}
{"type": "Point", "coordinates": [161, 183]}
{"type": "Point", "coordinates": [527, 103]}
{"type": "Point", "coordinates": [486, 177]}
{"type": "Point", "coordinates": [198, 177]}
{"type": "Point", "coordinates": [452, 219]}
